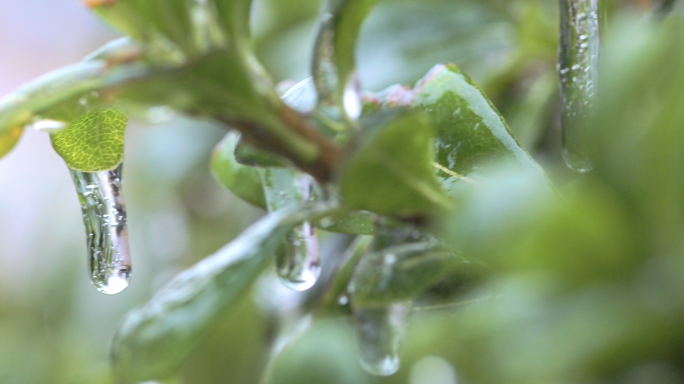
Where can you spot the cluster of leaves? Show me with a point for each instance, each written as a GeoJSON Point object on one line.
{"type": "Point", "coordinates": [577, 289]}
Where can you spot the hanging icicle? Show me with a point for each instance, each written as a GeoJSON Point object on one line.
{"type": "Point", "coordinates": [378, 334]}
{"type": "Point", "coordinates": [578, 70]}
{"type": "Point", "coordinates": [299, 266]}
{"type": "Point", "coordinates": [298, 262]}
{"type": "Point", "coordinates": [334, 72]}
{"type": "Point", "coordinates": [104, 217]}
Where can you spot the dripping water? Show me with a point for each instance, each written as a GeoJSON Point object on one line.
{"type": "Point", "coordinates": [379, 331]}
{"type": "Point", "coordinates": [300, 264]}
{"type": "Point", "coordinates": [578, 72]}
{"type": "Point", "coordinates": [104, 217]}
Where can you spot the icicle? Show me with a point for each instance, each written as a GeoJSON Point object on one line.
{"type": "Point", "coordinates": [299, 266]}
{"type": "Point", "coordinates": [104, 217]}
{"type": "Point", "coordinates": [378, 334]}
{"type": "Point", "coordinates": [339, 91]}
{"type": "Point", "coordinates": [578, 70]}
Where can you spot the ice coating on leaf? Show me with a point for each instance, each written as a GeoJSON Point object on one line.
{"type": "Point", "coordinates": [243, 181]}
{"type": "Point", "coordinates": [396, 153]}
{"type": "Point", "coordinates": [578, 71]}
{"type": "Point", "coordinates": [49, 90]}
{"type": "Point", "coordinates": [378, 334]}
{"type": "Point", "coordinates": [301, 97]}
{"type": "Point", "coordinates": [299, 265]}
{"type": "Point", "coordinates": [104, 217]}
{"type": "Point", "coordinates": [153, 340]}
{"type": "Point", "coordinates": [471, 134]}
{"type": "Point", "coordinates": [333, 69]}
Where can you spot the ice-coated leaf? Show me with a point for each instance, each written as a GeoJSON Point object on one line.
{"type": "Point", "coordinates": [153, 340]}
{"type": "Point", "coordinates": [59, 94]}
{"type": "Point", "coordinates": [247, 154]}
{"type": "Point", "coordinates": [93, 142]}
{"type": "Point", "coordinates": [9, 140]}
{"type": "Point", "coordinates": [471, 134]}
{"type": "Point", "coordinates": [401, 273]}
{"type": "Point", "coordinates": [336, 298]}
{"type": "Point", "coordinates": [145, 20]}
{"type": "Point", "coordinates": [282, 188]}
{"type": "Point", "coordinates": [402, 263]}
{"type": "Point", "coordinates": [47, 91]}
{"type": "Point", "coordinates": [347, 27]}
{"type": "Point", "coordinates": [353, 223]}
{"type": "Point", "coordinates": [302, 98]}
{"type": "Point", "coordinates": [243, 181]}
{"type": "Point", "coordinates": [391, 171]}
{"type": "Point", "coordinates": [334, 56]}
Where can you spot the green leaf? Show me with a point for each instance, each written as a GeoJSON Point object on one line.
{"type": "Point", "coordinates": [391, 172]}
{"type": "Point", "coordinates": [47, 91]}
{"type": "Point", "coordinates": [337, 287]}
{"type": "Point", "coordinates": [152, 341]}
{"type": "Point", "coordinates": [353, 223]}
{"type": "Point", "coordinates": [325, 354]}
{"type": "Point", "coordinates": [9, 140]}
{"type": "Point", "coordinates": [402, 263]}
{"type": "Point", "coordinates": [334, 55]}
{"type": "Point", "coordinates": [249, 155]}
{"type": "Point", "coordinates": [282, 187]}
{"type": "Point", "coordinates": [93, 142]}
{"type": "Point", "coordinates": [348, 22]}
{"type": "Point", "coordinates": [243, 181]}
{"type": "Point", "coordinates": [471, 134]}
{"type": "Point", "coordinates": [57, 94]}
{"type": "Point", "coordinates": [145, 20]}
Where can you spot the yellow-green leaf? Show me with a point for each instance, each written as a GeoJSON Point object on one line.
{"type": "Point", "coordinates": [9, 139]}
{"type": "Point", "coordinates": [391, 172]}
{"type": "Point", "coordinates": [93, 142]}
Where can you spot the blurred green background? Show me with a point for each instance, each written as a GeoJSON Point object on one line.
{"type": "Point", "coordinates": [55, 327]}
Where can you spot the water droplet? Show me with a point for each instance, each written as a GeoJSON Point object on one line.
{"type": "Point", "coordinates": [578, 71]}
{"type": "Point", "coordinates": [343, 300]}
{"type": "Point", "coordinates": [378, 334]}
{"type": "Point", "coordinates": [300, 266]}
{"type": "Point", "coordinates": [104, 217]}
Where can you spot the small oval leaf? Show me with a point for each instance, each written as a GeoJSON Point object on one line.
{"type": "Point", "coordinates": [93, 142]}
{"type": "Point", "coordinates": [243, 181]}
{"type": "Point", "coordinates": [391, 172]}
